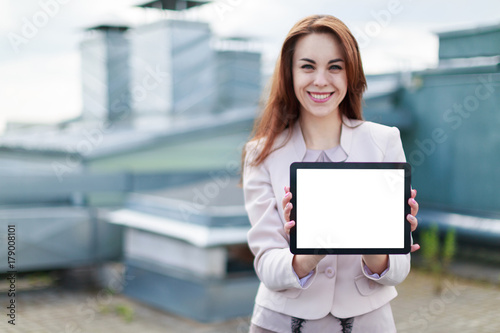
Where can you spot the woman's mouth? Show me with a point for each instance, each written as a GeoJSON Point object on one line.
{"type": "Point", "coordinates": [320, 97]}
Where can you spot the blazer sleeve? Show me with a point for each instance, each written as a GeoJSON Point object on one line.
{"type": "Point", "coordinates": [399, 264]}
{"type": "Point", "coordinates": [267, 239]}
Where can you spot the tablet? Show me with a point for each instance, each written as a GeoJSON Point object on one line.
{"type": "Point", "coordinates": [350, 208]}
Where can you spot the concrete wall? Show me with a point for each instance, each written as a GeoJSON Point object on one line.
{"type": "Point", "coordinates": [105, 75]}
{"type": "Point", "coordinates": [454, 145]}
{"type": "Point", "coordinates": [172, 68]}
{"type": "Point", "coordinates": [209, 151]}
{"type": "Point", "coordinates": [94, 78]}
{"type": "Point", "coordinates": [479, 42]}
{"type": "Point", "coordinates": [238, 78]}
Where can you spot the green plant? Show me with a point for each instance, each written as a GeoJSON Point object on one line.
{"type": "Point", "coordinates": [437, 255]}
{"type": "Point", "coordinates": [449, 248]}
{"type": "Point", "coordinates": [430, 248]}
{"type": "Point", "coordinates": [125, 311]}
{"type": "Point", "coordinates": [40, 279]}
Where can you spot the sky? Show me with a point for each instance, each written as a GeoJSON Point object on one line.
{"type": "Point", "coordinates": [39, 39]}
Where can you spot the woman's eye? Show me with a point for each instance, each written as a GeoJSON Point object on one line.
{"type": "Point", "coordinates": [307, 66]}
{"type": "Point", "coordinates": [335, 68]}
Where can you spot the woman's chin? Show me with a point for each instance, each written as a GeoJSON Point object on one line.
{"type": "Point", "coordinates": [320, 114]}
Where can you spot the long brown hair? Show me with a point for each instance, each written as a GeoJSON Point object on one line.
{"type": "Point", "coordinates": [282, 108]}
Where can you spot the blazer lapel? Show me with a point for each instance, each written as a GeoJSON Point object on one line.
{"type": "Point", "coordinates": [341, 155]}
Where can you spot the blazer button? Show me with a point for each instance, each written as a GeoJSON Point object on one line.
{"type": "Point", "coordinates": [329, 272]}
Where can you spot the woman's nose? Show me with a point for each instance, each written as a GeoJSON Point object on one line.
{"type": "Point", "coordinates": [320, 79]}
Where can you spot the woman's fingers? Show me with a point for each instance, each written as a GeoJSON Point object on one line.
{"type": "Point", "coordinates": [287, 210]}
{"type": "Point", "coordinates": [286, 204]}
{"type": "Point", "coordinates": [289, 225]}
{"type": "Point", "coordinates": [414, 206]}
{"type": "Point", "coordinates": [415, 247]}
{"type": "Point", "coordinates": [286, 199]}
{"type": "Point", "coordinates": [414, 210]}
{"type": "Point", "coordinates": [413, 221]}
{"type": "Point", "coordinates": [412, 217]}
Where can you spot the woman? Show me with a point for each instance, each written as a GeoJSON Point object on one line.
{"type": "Point", "coordinates": [314, 114]}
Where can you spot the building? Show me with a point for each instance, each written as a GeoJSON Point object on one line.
{"type": "Point", "coordinates": [454, 142]}
{"type": "Point", "coordinates": [161, 118]}
{"type": "Point", "coordinates": [161, 106]}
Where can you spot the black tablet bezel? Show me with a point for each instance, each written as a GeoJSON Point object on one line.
{"type": "Point", "coordinates": [350, 165]}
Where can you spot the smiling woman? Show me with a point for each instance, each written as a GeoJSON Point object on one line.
{"type": "Point", "coordinates": [320, 83]}
{"type": "Point", "coordinates": [340, 57]}
{"type": "Point", "coordinates": [314, 114]}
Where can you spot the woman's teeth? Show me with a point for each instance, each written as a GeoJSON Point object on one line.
{"type": "Point", "coordinates": [320, 96]}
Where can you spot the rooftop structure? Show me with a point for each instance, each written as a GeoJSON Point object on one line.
{"type": "Point", "coordinates": [159, 114]}
{"type": "Point", "coordinates": [105, 73]}
{"type": "Point", "coordinates": [188, 243]}
{"type": "Point", "coordinates": [173, 4]}
{"type": "Point", "coordinates": [454, 146]}
{"type": "Point", "coordinates": [476, 42]}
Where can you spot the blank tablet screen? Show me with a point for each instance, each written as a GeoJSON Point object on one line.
{"type": "Point", "coordinates": [350, 208]}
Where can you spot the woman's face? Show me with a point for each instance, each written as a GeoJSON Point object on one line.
{"type": "Point", "coordinates": [319, 75]}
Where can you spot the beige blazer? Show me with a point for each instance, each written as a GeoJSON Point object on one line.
{"type": "Point", "coordinates": [339, 284]}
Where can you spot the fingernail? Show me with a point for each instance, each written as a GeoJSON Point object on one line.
{"type": "Point", "coordinates": [287, 194]}
{"type": "Point", "coordinates": [287, 205]}
{"type": "Point", "coordinates": [413, 201]}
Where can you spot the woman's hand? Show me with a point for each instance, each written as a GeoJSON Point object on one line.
{"type": "Point", "coordinates": [287, 209]}
{"type": "Point", "coordinates": [377, 263]}
{"type": "Point", "coordinates": [302, 264]}
{"type": "Point", "coordinates": [412, 217]}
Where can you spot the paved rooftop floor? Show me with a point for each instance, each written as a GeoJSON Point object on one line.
{"type": "Point", "coordinates": [462, 306]}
